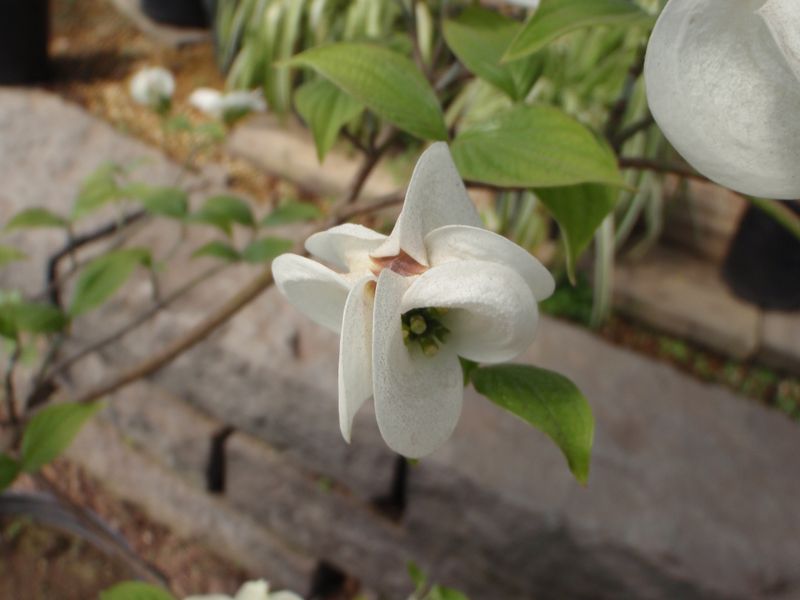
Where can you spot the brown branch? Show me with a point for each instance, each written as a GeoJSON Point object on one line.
{"type": "Point", "coordinates": [632, 130]}
{"type": "Point", "coordinates": [647, 164]}
{"type": "Point", "coordinates": [8, 384]}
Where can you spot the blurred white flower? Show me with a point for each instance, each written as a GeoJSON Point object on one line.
{"type": "Point", "coordinates": [723, 83]}
{"type": "Point", "coordinates": [230, 106]}
{"type": "Point", "coordinates": [153, 87]}
{"type": "Point", "coordinates": [408, 305]}
{"type": "Point", "coordinates": [252, 590]}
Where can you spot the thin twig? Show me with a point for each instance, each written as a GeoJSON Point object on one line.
{"type": "Point", "coordinates": [633, 129]}
{"type": "Point", "coordinates": [657, 166]}
{"type": "Point", "coordinates": [51, 283]}
{"type": "Point", "coordinates": [137, 322]}
{"type": "Point", "coordinates": [371, 160]}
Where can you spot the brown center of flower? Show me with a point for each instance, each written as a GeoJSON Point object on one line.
{"type": "Point", "coordinates": [402, 264]}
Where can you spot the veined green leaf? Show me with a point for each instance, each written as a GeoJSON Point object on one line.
{"type": "Point", "coordinates": [292, 212]}
{"type": "Point", "coordinates": [9, 469]}
{"type": "Point", "coordinates": [534, 146]}
{"type": "Point", "coordinates": [326, 109]}
{"type": "Point", "coordinates": [135, 590]}
{"type": "Point", "coordinates": [51, 430]}
{"type": "Point", "coordinates": [35, 217]}
{"type": "Point", "coordinates": [103, 276]}
{"type": "Point", "coordinates": [548, 401]}
{"type": "Point", "coordinates": [555, 18]}
{"type": "Point", "coordinates": [97, 190]}
{"type": "Point", "coordinates": [223, 211]}
{"type": "Point", "coordinates": [386, 82]}
{"type": "Point", "coordinates": [218, 249]}
{"type": "Point", "coordinates": [10, 254]}
{"type": "Point", "coordinates": [579, 211]}
{"type": "Point", "coordinates": [479, 37]}
{"type": "Point", "coordinates": [265, 249]}
{"type": "Point", "coordinates": [34, 317]}
{"type": "Point", "coordinates": [160, 200]}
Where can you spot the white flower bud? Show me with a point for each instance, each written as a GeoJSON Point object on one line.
{"type": "Point", "coordinates": [153, 87]}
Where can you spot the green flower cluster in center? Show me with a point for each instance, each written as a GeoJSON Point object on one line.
{"type": "Point", "coordinates": [423, 326]}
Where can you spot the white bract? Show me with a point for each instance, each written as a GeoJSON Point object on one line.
{"type": "Point", "coordinates": [252, 590]}
{"type": "Point", "coordinates": [525, 3]}
{"type": "Point", "coordinates": [153, 87]}
{"type": "Point", "coordinates": [723, 83]}
{"type": "Point", "coordinates": [229, 106]}
{"type": "Point", "coordinates": [408, 305]}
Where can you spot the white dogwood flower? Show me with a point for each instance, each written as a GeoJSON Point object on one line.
{"type": "Point", "coordinates": [252, 590]}
{"type": "Point", "coordinates": [230, 106]}
{"type": "Point", "coordinates": [408, 305]}
{"type": "Point", "coordinates": [723, 83]}
{"type": "Point", "coordinates": [153, 87]}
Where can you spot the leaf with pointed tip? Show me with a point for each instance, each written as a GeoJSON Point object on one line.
{"type": "Point", "coordinates": [35, 217]}
{"type": "Point", "coordinates": [555, 18]}
{"type": "Point", "coordinates": [326, 109]}
{"type": "Point", "coordinates": [103, 276]}
{"type": "Point", "coordinates": [223, 211]}
{"type": "Point", "coordinates": [218, 249]}
{"type": "Point", "coordinates": [548, 401]}
{"type": "Point", "coordinates": [34, 317]}
{"type": "Point", "coordinates": [579, 211]}
{"type": "Point", "coordinates": [97, 190]}
{"type": "Point", "coordinates": [51, 430]}
{"type": "Point", "coordinates": [160, 200]}
{"type": "Point", "coordinates": [534, 146]}
{"type": "Point", "coordinates": [384, 81]}
{"type": "Point", "coordinates": [478, 37]}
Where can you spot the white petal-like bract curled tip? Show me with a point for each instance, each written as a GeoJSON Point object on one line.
{"type": "Point", "coordinates": [153, 87]}
{"type": "Point", "coordinates": [722, 83]}
{"type": "Point", "coordinates": [417, 398]}
{"type": "Point", "coordinates": [493, 314]}
{"type": "Point", "coordinates": [436, 197]}
{"type": "Point", "coordinates": [355, 353]}
{"type": "Point", "coordinates": [461, 242]}
{"type": "Point", "coordinates": [312, 288]}
{"type": "Point", "coordinates": [345, 247]}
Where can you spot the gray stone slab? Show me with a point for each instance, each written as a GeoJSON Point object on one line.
{"type": "Point", "coordinates": [686, 297]}
{"type": "Point", "coordinates": [780, 340]}
{"type": "Point", "coordinates": [693, 491]}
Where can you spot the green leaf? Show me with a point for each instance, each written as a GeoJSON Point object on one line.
{"type": "Point", "coordinates": [479, 37]}
{"type": "Point", "coordinates": [9, 469]}
{"type": "Point", "coordinates": [534, 146]}
{"type": "Point", "coordinates": [579, 211]}
{"type": "Point", "coordinates": [548, 401]}
{"type": "Point", "coordinates": [292, 212]}
{"type": "Point", "coordinates": [33, 316]}
{"type": "Point", "coordinates": [555, 18]}
{"type": "Point", "coordinates": [467, 369]}
{"type": "Point", "coordinates": [51, 430]}
{"type": "Point", "coordinates": [35, 217]}
{"type": "Point", "coordinates": [439, 592]}
{"type": "Point", "coordinates": [178, 123]}
{"type": "Point", "coordinates": [266, 249]}
{"type": "Point", "coordinates": [218, 249]}
{"type": "Point", "coordinates": [134, 590]}
{"type": "Point", "coordinates": [326, 109]}
{"type": "Point", "coordinates": [223, 211]}
{"type": "Point", "coordinates": [167, 201]}
{"type": "Point", "coordinates": [103, 276]}
{"type": "Point", "coordinates": [386, 82]}
{"type": "Point", "coordinates": [10, 254]}
{"type": "Point", "coordinates": [97, 190]}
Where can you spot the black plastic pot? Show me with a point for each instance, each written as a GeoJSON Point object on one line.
{"type": "Point", "coordinates": [763, 262]}
{"type": "Point", "coordinates": [180, 13]}
{"type": "Point", "coordinates": [24, 33]}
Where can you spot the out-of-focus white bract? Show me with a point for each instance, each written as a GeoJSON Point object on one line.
{"type": "Point", "coordinates": [252, 590]}
{"type": "Point", "coordinates": [723, 83]}
{"type": "Point", "coordinates": [480, 286]}
{"type": "Point", "coordinates": [153, 87]}
{"type": "Point", "coordinates": [229, 106]}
